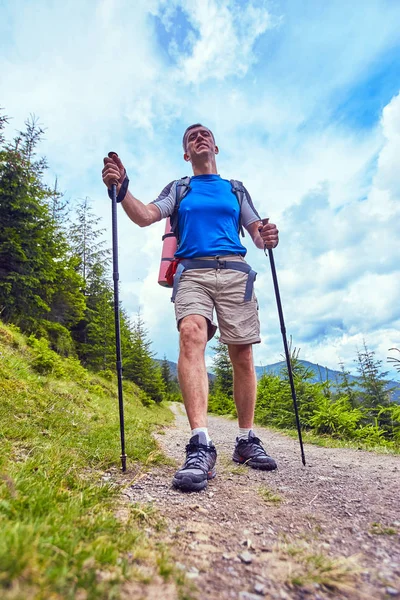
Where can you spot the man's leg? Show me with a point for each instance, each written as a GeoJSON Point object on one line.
{"type": "Point", "coordinates": [244, 382]}
{"type": "Point", "coordinates": [248, 450]}
{"type": "Point", "coordinates": [192, 371]}
{"type": "Point", "coordinates": [201, 455]}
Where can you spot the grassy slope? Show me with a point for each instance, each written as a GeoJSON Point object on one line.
{"type": "Point", "coordinates": [60, 536]}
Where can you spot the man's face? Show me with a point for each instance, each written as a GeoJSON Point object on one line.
{"type": "Point", "coordinates": [199, 141]}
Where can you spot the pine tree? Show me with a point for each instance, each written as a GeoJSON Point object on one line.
{"type": "Point", "coordinates": [27, 233]}
{"type": "Point", "coordinates": [3, 123]}
{"type": "Point", "coordinates": [171, 383]}
{"type": "Point", "coordinates": [373, 385]}
{"type": "Point", "coordinates": [36, 276]}
{"type": "Point", "coordinates": [222, 368]}
{"type": "Point", "coordinates": [346, 386]}
{"type": "Point", "coordinates": [395, 360]}
{"type": "Point", "coordinates": [59, 208]}
{"type": "Point", "coordinates": [95, 333]}
{"type": "Point", "coordinates": [88, 243]}
{"type": "Point", "coordinates": [308, 393]}
{"type": "Point", "coordinates": [139, 365]}
{"type": "Point", "coordinates": [166, 374]}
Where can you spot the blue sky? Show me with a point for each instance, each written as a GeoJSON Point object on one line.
{"type": "Point", "coordinates": [303, 98]}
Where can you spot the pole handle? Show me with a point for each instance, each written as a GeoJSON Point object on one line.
{"type": "Point", "coordinates": [264, 222]}
{"type": "Point", "coordinates": [111, 154]}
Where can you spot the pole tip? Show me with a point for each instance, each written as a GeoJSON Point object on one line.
{"type": "Point", "coordinates": [123, 462]}
{"type": "Point", "coordinates": [112, 154]}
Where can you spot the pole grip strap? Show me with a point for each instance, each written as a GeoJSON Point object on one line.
{"type": "Point", "coordinates": [123, 189]}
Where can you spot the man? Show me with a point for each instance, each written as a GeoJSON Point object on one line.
{"type": "Point", "coordinates": [208, 220]}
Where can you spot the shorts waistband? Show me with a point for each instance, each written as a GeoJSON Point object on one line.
{"type": "Point", "coordinates": [235, 257]}
{"type": "Point", "coordinates": [216, 263]}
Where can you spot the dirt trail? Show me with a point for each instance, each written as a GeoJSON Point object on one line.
{"type": "Point", "coordinates": [327, 530]}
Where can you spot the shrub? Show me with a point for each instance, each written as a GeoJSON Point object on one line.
{"type": "Point", "coordinates": [59, 337]}
{"type": "Point", "coordinates": [45, 361]}
{"type": "Point", "coordinates": [274, 402]}
{"type": "Point", "coordinates": [220, 404]}
{"type": "Point", "coordinates": [371, 435]}
{"type": "Point", "coordinates": [107, 374]}
{"type": "Point", "coordinates": [336, 418]}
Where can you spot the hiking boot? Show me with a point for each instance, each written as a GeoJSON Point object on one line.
{"type": "Point", "coordinates": [199, 465]}
{"type": "Point", "coordinates": [251, 452]}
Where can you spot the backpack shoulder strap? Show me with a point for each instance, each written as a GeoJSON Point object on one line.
{"type": "Point", "coordinates": [182, 188]}
{"type": "Point", "coordinates": [239, 191]}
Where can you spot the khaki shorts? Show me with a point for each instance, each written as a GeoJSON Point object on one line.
{"type": "Point", "coordinates": [202, 290]}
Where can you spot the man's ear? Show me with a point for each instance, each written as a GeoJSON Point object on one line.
{"type": "Point", "coordinates": [186, 157]}
{"type": "Point", "coordinates": [216, 150]}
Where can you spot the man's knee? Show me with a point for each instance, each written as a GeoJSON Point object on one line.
{"type": "Point", "coordinates": [193, 332]}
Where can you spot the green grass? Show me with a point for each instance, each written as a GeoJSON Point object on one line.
{"type": "Point", "coordinates": [379, 529]}
{"type": "Point", "coordinates": [61, 536]}
{"type": "Point", "coordinates": [268, 495]}
{"type": "Point", "coordinates": [333, 574]}
{"type": "Point", "coordinates": [308, 565]}
{"type": "Point", "coordinates": [327, 441]}
{"type": "Point", "coordinates": [239, 470]}
{"type": "Point", "coordinates": [231, 468]}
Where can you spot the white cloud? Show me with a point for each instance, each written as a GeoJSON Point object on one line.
{"type": "Point", "coordinates": [225, 35]}
{"type": "Point", "coordinates": [388, 174]}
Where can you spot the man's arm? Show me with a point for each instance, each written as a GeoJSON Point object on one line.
{"type": "Point", "coordinates": [253, 230]}
{"type": "Point", "coordinates": [141, 214]}
{"type": "Point", "coordinates": [263, 235]}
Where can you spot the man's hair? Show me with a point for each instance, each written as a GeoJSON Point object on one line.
{"type": "Point", "coordinates": [194, 127]}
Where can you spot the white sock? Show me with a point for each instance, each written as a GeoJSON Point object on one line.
{"type": "Point", "coordinates": [203, 430]}
{"type": "Point", "coordinates": [243, 433]}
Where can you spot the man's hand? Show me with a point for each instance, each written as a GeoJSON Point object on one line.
{"type": "Point", "coordinates": [113, 171]}
{"type": "Point", "coordinates": [269, 234]}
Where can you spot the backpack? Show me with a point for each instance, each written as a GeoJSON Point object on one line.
{"type": "Point", "coordinates": [182, 189]}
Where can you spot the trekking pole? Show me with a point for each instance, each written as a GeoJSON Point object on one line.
{"type": "Point", "coordinates": [116, 318]}
{"type": "Point", "coordinates": [285, 344]}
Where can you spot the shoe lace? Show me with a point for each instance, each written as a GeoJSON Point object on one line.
{"type": "Point", "coordinates": [195, 455]}
{"type": "Point", "coordinates": [258, 448]}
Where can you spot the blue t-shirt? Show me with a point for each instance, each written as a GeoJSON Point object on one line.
{"type": "Point", "coordinates": [208, 218]}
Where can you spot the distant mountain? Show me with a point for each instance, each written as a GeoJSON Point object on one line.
{"type": "Point", "coordinates": [173, 367]}
{"type": "Point", "coordinates": [324, 374]}
{"type": "Point", "coordinates": [320, 374]}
